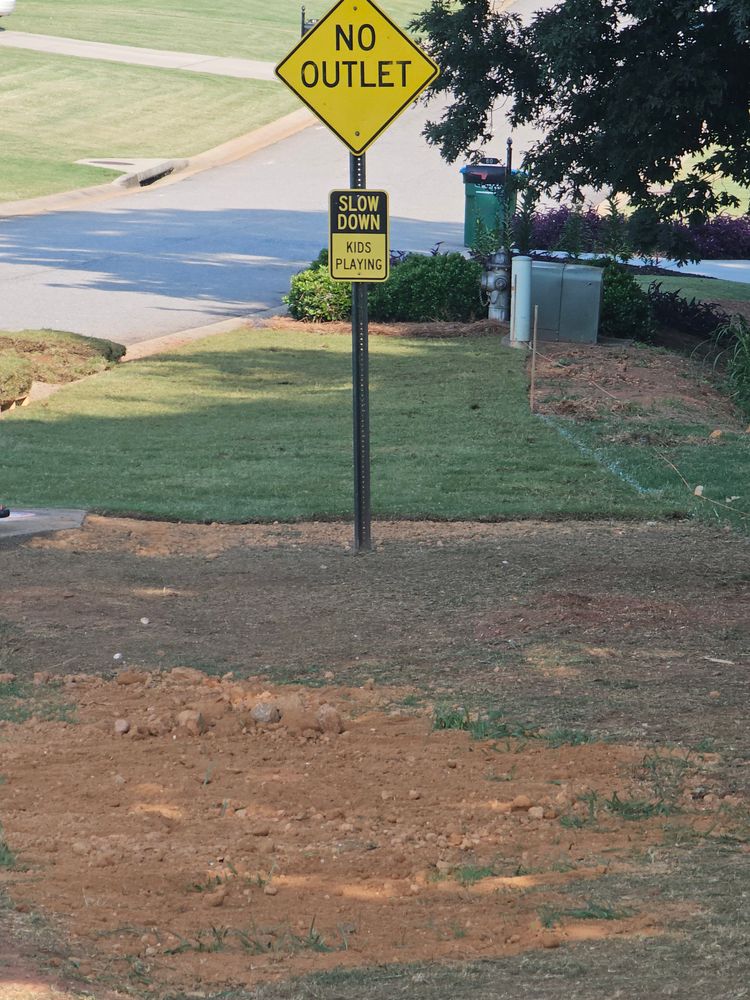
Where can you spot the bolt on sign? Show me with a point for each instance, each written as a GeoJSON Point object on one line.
{"type": "Point", "coordinates": [357, 71]}
{"type": "Point", "coordinates": [358, 235]}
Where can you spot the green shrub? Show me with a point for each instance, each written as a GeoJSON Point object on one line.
{"type": "Point", "coordinates": [423, 288]}
{"type": "Point", "coordinates": [626, 310]}
{"type": "Point", "coordinates": [314, 295]}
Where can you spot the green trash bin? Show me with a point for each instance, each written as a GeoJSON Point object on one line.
{"type": "Point", "coordinates": [484, 201]}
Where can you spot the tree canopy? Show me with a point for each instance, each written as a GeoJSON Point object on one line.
{"type": "Point", "coordinates": [646, 98]}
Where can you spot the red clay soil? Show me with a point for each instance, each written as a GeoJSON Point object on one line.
{"type": "Point", "coordinates": [178, 842]}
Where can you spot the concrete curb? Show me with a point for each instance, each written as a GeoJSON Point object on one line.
{"type": "Point", "coordinates": [146, 348]}
{"type": "Point", "coordinates": [170, 170]}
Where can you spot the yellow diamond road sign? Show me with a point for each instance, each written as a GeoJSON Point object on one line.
{"type": "Point", "coordinates": [357, 71]}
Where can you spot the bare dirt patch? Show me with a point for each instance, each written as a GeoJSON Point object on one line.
{"type": "Point", "coordinates": [201, 850]}
{"type": "Point", "coordinates": [580, 632]}
{"type": "Point", "coordinates": [586, 381]}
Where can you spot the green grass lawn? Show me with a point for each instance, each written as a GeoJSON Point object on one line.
{"type": "Point", "coordinates": [693, 287]}
{"type": "Point", "coordinates": [687, 458]}
{"type": "Point", "coordinates": [56, 110]}
{"type": "Point", "coordinates": [257, 425]}
{"type": "Point", "coordinates": [254, 29]}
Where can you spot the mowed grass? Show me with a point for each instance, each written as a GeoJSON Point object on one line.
{"type": "Point", "coordinates": [57, 110]}
{"type": "Point", "coordinates": [694, 287]}
{"type": "Point", "coordinates": [253, 29]}
{"type": "Point", "coordinates": [687, 458]}
{"type": "Point", "coordinates": [257, 425]}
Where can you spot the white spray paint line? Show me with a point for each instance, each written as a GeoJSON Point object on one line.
{"type": "Point", "coordinates": [599, 456]}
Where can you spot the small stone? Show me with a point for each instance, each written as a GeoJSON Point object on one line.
{"type": "Point", "coordinates": [42, 677]}
{"type": "Point", "coordinates": [328, 675]}
{"type": "Point", "coordinates": [117, 657]}
{"type": "Point", "coordinates": [330, 720]}
{"type": "Point", "coordinates": [714, 694]}
{"type": "Point", "coordinates": [270, 890]}
{"type": "Point", "coordinates": [118, 778]}
{"type": "Point", "coordinates": [414, 794]}
{"type": "Point", "coordinates": [536, 812]}
{"type": "Point", "coordinates": [452, 764]}
{"type": "Point", "coordinates": [122, 726]}
{"type": "Point", "coordinates": [265, 713]}
{"type": "Point", "coordinates": [159, 727]}
{"type": "Point", "coordinates": [521, 802]}
{"type": "Point", "coordinates": [369, 684]}
{"type": "Point", "coordinates": [262, 830]}
{"type": "Point", "coordinates": [145, 621]}
{"type": "Point", "coordinates": [216, 898]}
{"type": "Point", "coordinates": [716, 434]}
{"type": "Point", "coordinates": [192, 721]}
{"type": "Point", "coordinates": [550, 941]}
{"type": "Point", "coordinates": [7, 678]}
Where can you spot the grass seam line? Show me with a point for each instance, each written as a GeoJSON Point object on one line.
{"type": "Point", "coordinates": [600, 457]}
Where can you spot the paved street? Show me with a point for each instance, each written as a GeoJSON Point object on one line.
{"type": "Point", "coordinates": [221, 243]}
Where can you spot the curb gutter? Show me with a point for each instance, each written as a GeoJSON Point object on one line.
{"type": "Point", "coordinates": [166, 171]}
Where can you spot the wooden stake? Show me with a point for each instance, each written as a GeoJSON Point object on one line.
{"type": "Point", "coordinates": [532, 393]}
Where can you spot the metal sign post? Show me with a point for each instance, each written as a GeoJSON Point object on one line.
{"type": "Point", "coordinates": [361, 389]}
{"type": "Point", "coordinates": [358, 71]}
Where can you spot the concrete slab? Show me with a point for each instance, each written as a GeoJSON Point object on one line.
{"type": "Point", "coordinates": [35, 520]}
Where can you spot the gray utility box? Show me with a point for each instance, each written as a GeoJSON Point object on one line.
{"type": "Point", "coordinates": [569, 297]}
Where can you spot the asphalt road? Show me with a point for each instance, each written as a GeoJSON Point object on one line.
{"type": "Point", "coordinates": [220, 244]}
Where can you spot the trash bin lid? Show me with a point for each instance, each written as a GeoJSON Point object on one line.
{"type": "Point", "coordinates": [484, 173]}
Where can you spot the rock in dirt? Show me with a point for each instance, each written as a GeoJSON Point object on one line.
{"type": "Point", "coordinates": [122, 726]}
{"type": "Point", "coordinates": [329, 719]}
{"type": "Point", "coordinates": [536, 812]}
{"type": "Point", "coordinates": [192, 721]}
{"type": "Point", "coordinates": [216, 898]}
{"type": "Point", "coordinates": [159, 726]}
{"type": "Point", "coordinates": [7, 678]}
{"type": "Point", "coordinates": [42, 677]}
{"type": "Point", "coordinates": [265, 713]}
{"type": "Point", "coordinates": [521, 802]}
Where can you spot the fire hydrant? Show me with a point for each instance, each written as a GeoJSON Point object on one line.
{"type": "Point", "coordinates": [496, 284]}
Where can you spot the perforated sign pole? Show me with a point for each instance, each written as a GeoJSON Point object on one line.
{"type": "Point", "coordinates": [361, 386]}
{"type": "Point", "coordinates": [358, 71]}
